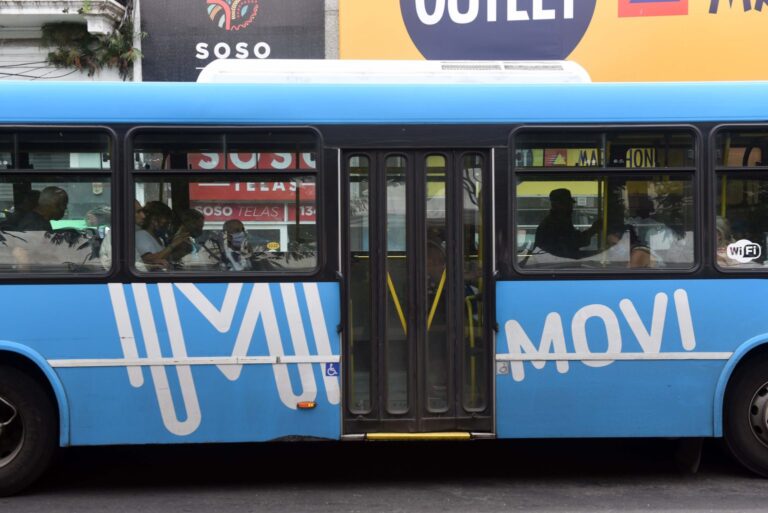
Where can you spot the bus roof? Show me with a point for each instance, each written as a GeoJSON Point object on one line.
{"type": "Point", "coordinates": [321, 71]}
{"type": "Point", "coordinates": [317, 104]}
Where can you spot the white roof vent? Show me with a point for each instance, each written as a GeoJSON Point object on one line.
{"type": "Point", "coordinates": [318, 71]}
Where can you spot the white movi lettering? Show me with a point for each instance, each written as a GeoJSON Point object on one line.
{"type": "Point", "coordinates": [650, 342]}
{"type": "Point", "coordinates": [649, 335]}
{"type": "Point", "coordinates": [684, 320]}
{"type": "Point", "coordinates": [552, 337]}
{"type": "Point", "coordinates": [612, 331]}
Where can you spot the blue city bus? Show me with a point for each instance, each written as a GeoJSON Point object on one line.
{"type": "Point", "coordinates": [198, 263]}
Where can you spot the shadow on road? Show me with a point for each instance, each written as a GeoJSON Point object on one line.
{"type": "Point", "coordinates": [366, 462]}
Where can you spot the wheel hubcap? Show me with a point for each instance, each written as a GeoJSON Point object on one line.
{"type": "Point", "coordinates": [11, 432]}
{"type": "Point", "coordinates": [758, 414]}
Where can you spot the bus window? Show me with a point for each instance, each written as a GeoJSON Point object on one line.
{"type": "Point", "coordinates": [741, 222]}
{"type": "Point", "coordinates": [612, 215]}
{"type": "Point", "coordinates": [235, 200]}
{"type": "Point", "coordinates": [263, 223]}
{"type": "Point", "coordinates": [58, 221]}
{"type": "Point", "coordinates": [55, 224]}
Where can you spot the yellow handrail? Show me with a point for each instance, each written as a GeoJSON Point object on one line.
{"type": "Point", "coordinates": [396, 300]}
{"type": "Point", "coordinates": [472, 357]}
{"type": "Point", "coordinates": [437, 299]}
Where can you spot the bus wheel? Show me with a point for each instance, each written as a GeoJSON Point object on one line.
{"type": "Point", "coordinates": [745, 416]}
{"type": "Point", "coordinates": [27, 430]}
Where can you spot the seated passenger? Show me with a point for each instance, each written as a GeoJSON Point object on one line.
{"type": "Point", "coordinates": [26, 204]}
{"type": "Point", "coordinates": [652, 232]}
{"type": "Point", "coordinates": [556, 234]}
{"type": "Point", "coordinates": [51, 206]}
{"type": "Point", "coordinates": [237, 248]}
{"type": "Point", "coordinates": [191, 223]}
{"type": "Point", "coordinates": [150, 239]}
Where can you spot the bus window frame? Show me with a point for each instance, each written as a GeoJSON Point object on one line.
{"type": "Point", "coordinates": [112, 173]}
{"type": "Point", "coordinates": [132, 175]}
{"type": "Point", "coordinates": [712, 184]}
{"type": "Point", "coordinates": [696, 172]}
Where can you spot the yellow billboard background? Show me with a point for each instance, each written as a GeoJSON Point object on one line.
{"type": "Point", "coordinates": [698, 47]}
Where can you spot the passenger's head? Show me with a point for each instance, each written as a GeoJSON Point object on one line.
{"type": "Point", "coordinates": [643, 206]}
{"type": "Point", "coordinates": [561, 200]}
{"type": "Point", "coordinates": [723, 228]}
{"type": "Point", "coordinates": [98, 216]}
{"type": "Point", "coordinates": [193, 221]}
{"type": "Point", "coordinates": [157, 217]}
{"type": "Point", "coordinates": [234, 230]}
{"type": "Point", "coordinates": [52, 203]}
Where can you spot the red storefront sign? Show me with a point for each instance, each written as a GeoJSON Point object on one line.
{"type": "Point", "coordinates": [248, 161]}
{"type": "Point", "coordinates": [252, 191]}
{"type": "Point", "coordinates": [259, 213]}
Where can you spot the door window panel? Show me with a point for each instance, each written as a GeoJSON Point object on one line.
{"type": "Point", "coordinates": [437, 300]}
{"type": "Point", "coordinates": [361, 329]}
{"type": "Point", "coordinates": [474, 395]}
{"type": "Point", "coordinates": [397, 355]}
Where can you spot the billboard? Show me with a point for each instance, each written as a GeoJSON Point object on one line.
{"type": "Point", "coordinates": [185, 35]}
{"type": "Point", "coordinates": [615, 40]}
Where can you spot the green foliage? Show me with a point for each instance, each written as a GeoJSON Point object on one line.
{"type": "Point", "coordinates": [74, 47]}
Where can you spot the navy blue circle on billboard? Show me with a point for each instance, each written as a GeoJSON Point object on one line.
{"type": "Point", "coordinates": [497, 29]}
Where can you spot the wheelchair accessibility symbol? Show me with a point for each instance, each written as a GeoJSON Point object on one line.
{"type": "Point", "coordinates": [332, 369]}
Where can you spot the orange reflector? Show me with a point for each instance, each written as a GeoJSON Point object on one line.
{"type": "Point", "coordinates": [306, 405]}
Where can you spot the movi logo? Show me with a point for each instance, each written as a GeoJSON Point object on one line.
{"type": "Point", "coordinates": [649, 335]}
{"type": "Point", "coordinates": [496, 29]}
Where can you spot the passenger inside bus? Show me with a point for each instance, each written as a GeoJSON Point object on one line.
{"type": "Point", "coordinates": [556, 233]}
{"type": "Point", "coordinates": [51, 205]}
{"type": "Point", "coordinates": [151, 238]}
{"type": "Point", "coordinates": [27, 202]}
{"type": "Point", "coordinates": [651, 232]}
{"type": "Point", "coordinates": [237, 248]}
{"type": "Point", "coordinates": [191, 224]}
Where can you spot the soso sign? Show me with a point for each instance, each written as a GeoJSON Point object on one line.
{"type": "Point", "coordinates": [497, 29]}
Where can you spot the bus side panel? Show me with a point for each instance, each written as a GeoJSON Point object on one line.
{"type": "Point", "coordinates": [212, 348]}
{"type": "Point", "coordinates": [667, 343]}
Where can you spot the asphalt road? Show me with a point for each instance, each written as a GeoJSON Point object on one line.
{"type": "Point", "coordinates": [488, 476]}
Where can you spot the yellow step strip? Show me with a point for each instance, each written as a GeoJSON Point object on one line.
{"type": "Point", "coordinates": [418, 437]}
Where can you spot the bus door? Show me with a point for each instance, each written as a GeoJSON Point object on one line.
{"type": "Point", "coordinates": [417, 346]}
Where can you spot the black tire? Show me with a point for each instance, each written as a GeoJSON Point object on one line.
{"type": "Point", "coordinates": [746, 401]}
{"type": "Point", "coordinates": [28, 443]}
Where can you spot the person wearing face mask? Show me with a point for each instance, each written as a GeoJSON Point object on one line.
{"type": "Point", "coordinates": [150, 239]}
{"type": "Point", "coordinates": [237, 249]}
